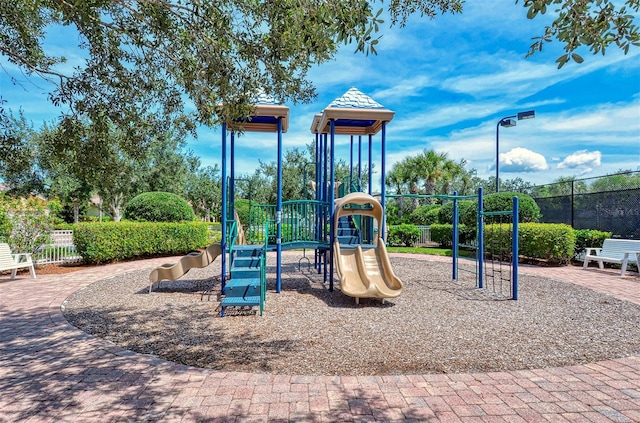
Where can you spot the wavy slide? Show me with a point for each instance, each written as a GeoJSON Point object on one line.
{"type": "Point", "coordinates": [364, 273]}
{"type": "Point", "coordinates": [173, 271]}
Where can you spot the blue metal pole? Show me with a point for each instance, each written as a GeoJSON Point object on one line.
{"type": "Point", "coordinates": [454, 236]}
{"type": "Point", "coordinates": [316, 235]}
{"type": "Point", "coordinates": [319, 194]}
{"type": "Point", "coordinates": [498, 156]}
{"type": "Point", "coordinates": [279, 212]}
{"type": "Point", "coordinates": [232, 182]}
{"type": "Point", "coordinates": [325, 215]}
{"type": "Point", "coordinates": [223, 240]}
{"type": "Point", "coordinates": [359, 163]}
{"type": "Point", "coordinates": [350, 166]}
{"type": "Point", "coordinates": [480, 231]}
{"type": "Point", "coordinates": [515, 249]}
{"type": "Point", "coordinates": [370, 162]}
{"type": "Point", "coordinates": [332, 203]}
{"type": "Point", "coordinates": [382, 182]}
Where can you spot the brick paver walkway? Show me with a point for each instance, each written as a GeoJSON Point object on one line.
{"type": "Point", "coordinates": [51, 371]}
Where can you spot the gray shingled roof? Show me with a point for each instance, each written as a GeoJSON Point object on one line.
{"type": "Point", "coordinates": [355, 99]}
{"type": "Point", "coordinates": [263, 98]}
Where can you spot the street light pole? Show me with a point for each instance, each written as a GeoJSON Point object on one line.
{"type": "Point", "coordinates": [508, 122]}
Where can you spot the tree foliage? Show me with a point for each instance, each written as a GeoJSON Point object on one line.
{"type": "Point", "coordinates": [596, 24]}
{"type": "Point", "coordinates": [146, 58]}
{"type": "Point", "coordinates": [29, 222]}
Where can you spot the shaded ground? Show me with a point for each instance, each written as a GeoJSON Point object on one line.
{"type": "Point", "coordinates": [435, 326]}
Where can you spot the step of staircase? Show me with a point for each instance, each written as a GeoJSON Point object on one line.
{"type": "Point", "coordinates": [244, 272]}
{"type": "Point", "coordinates": [247, 250]}
{"type": "Point", "coordinates": [244, 287]}
{"type": "Point", "coordinates": [240, 288]}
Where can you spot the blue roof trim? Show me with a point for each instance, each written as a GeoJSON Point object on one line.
{"type": "Point", "coordinates": [355, 99]}
{"type": "Point", "coordinates": [259, 119]}
{"type": "Point", "coordinates": [354, 123]}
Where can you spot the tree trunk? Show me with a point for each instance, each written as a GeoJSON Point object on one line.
{"type": "Point", "coordinates": [114, 205]}
{"type": "Point", "coordinates": [413, 189]}
{"type": "Point", "coordinates": [76, 211]}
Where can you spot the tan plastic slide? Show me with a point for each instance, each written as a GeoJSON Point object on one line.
{"type": "Point", "coordinates": [173, 271]}
{"type": "Point", "coordinates": [364, 273]}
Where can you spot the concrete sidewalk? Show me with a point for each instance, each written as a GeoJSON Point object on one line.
{"type": "Point", "coordinates": [51, 371]}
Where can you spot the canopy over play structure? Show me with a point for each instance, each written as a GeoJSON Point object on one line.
{"type": "Point", "coordinates": [315, 224]}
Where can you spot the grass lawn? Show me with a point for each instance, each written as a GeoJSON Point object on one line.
{"type": "Point", "coordinates": [429, 250]}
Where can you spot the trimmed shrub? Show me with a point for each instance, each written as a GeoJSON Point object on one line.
{"type": "Point", "coordinates": [468, 209]}
{"type": "Point", "coordinates": [528, 208]}
{"type": "Point", "coordinates": [553, 242]}
{"type": "Point", "coordinates": [586, 238]}
{"type": "Point", "coordinates": [403, 235]}
{"type": "Point", "coordinates": [391, 213]}
{"type": "Point", "coordinates": [443, 234]}
{"type": "Point", "coordinates": [158, 207]}
{"type": "Point", "coordinates": [106, 242]}
{"type": "Point", "coordinates": [425, 215]}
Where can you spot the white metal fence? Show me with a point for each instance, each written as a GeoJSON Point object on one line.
{"type": "Point", "coordinates": [60, 250]}
{"type": "Point", "coordinates": [425, 235]}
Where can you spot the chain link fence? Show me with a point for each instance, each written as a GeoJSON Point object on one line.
{"type": "Point", "coordinates": [606, 203]}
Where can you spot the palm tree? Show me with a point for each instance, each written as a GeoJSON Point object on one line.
{"type": "Point", "coordinates": [451, 171]}
{"type": "Point", "coordinates": [412, 175]}
{"type": "Point", "coordinates": [431, 165]}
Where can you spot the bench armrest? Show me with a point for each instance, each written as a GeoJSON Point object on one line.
{"type": "Point", "coordinates": [22, 257]}
{"type": "Point", "coordinates": [590, 250]}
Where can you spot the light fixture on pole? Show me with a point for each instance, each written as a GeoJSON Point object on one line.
{"type": "Point", "coordinates": [508, 122]}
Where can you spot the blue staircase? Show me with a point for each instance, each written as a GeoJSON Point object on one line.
{"type": "Point", "coordinates": [348, 233]}
{"type": "Point", "coordinates": [248, 283]}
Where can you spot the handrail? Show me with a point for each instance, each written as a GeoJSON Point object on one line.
{"type": "Point", "coordinates": [299, 221]}
{"type": "Point", "coordinates": [232, 236]}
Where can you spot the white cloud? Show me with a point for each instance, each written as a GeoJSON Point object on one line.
{"type": "Point", "coordinates": [583, 160]}
{"type": "Point", "coordinates": [405, 88]}
{"type": "Point", "coordinates": [604, 118]}
{"type": "Point", "coordinates": [522, 159]}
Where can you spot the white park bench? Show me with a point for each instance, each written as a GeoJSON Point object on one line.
{"type": "Point", "coordinates": [13, 262]}
{"type": "Point", "coordinates": [618, 251]}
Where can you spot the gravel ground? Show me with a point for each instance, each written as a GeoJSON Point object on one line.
{"type": "Point", "coordinates": [435, 326]}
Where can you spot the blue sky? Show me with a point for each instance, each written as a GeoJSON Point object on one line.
{"type": "Point", "coordinates": [449, 81]}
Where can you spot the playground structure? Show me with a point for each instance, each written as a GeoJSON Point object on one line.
{"type": "Point", "coordinates": [173, 271]}
{"type": "Point", "coordinates": [496, 259]}
{"type": "Point", "coordinates": [364, 271]}
{"type": "Point", "coordinates": [302, 224]}
{"type": "Point", "coordinates": [495, 256]}
{"type": "Point", "coordinates": [355, 246]}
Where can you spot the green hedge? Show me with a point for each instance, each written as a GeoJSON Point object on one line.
{"type": "Point", "coordinates": [589, 238]}
{"type": "Point", "coordinates": [403, 235]}
{"type": "Point", "coordinates": [425, 215]}
{"type": "Point", "coordinates": [553, 242]}
{"type": "Point", "coordinates": [443, 234]}
{"type": "Point", "coordinates": [468, 209]}
{"type": "Point", "coordinates": [105, 242]}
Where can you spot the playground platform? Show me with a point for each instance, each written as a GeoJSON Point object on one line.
{"type": "Point", "coordinates": [51, 371]}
